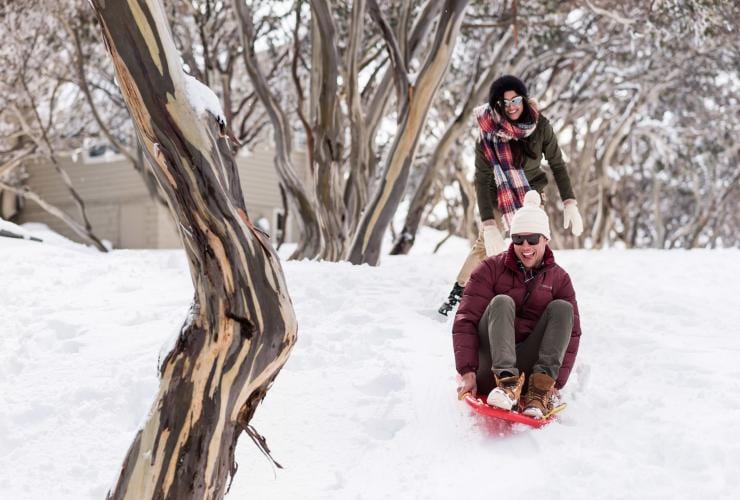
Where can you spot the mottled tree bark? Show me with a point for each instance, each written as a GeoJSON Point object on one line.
{"type": "Point", "coordinates": [355, 195]}
{"type": "Point", "coordinates": [418, 97]}
{"type": "Point", "coordinates": [327, 133]}
{"type": "Point", "coordinates": [241, 324]}
{"type": "Point", "coordinates": [365, 123]}
{"type": "Point", "coordinates": [309, 242]}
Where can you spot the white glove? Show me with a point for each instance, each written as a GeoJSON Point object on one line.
{"type": "Point", "coordinates": [493, 240]}
{"type": "Point", "coordinates": [572, 218]}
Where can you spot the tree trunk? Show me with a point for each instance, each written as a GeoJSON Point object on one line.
{"type": "Point", "coordinates": [83, 231]}
{"type": "Point", "coordinates": [375, 111]}
{"type": "Point", "coordinates": [367, 240]}
{"type": "Point", "coordinates": [43, 142]}
{"type": "Point", "coordinates": [355, 193]}
{"type": "Point", "coordinates": [327, 132]}
{"type": "Point", "coordinates": [309, 245]}
{"type": "Point", "coordinates": [241, 324]}
{"type": "Point", "coordinates": [454, 130]}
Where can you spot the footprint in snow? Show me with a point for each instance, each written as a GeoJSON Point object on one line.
{"type": "Point", "coordinates": [356, 318]}
{"type": "Point", "coordinates": [383, 429]}
{"type": "Point", "coordinates": [33, 414]}
{"type": "Point", "coordinates": [70, 347]}
{"type": "Point", "coordinates": [63, 330]}
{"type": "Point", "coordinates": [382, 334]}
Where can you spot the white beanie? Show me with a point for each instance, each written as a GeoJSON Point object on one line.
{"type": "Point", "coordinates": [531, 218]}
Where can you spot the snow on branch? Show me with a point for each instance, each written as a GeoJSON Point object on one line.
{"type": "Point", "coordinates": [611, 15]}
{"type": "Point", "coordinates": [203, 99]}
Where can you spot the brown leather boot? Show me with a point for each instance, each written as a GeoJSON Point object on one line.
{"type": "Point", "coordinates": [538, 401]}
{"type": "Point", "coordinates": [507, 392]}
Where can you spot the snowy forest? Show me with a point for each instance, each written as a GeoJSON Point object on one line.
{"type": "Point", "coordinates": [133, 373]}
{"type": "Point", "coordinates": [642, 95]}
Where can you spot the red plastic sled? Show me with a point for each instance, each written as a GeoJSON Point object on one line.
{"type": "Point", "coordinates": [481, 407]}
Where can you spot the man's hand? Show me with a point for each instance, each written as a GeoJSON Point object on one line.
{"type": "Point", "coordinates": [467, 384]}
{"type": "Point", "coordinates": [572, 217]}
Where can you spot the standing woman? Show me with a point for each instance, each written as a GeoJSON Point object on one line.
{"type": "Point", "coordinates": [513, 138]}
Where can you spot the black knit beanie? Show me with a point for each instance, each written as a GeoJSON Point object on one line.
{"type": "Point", "coordinates": [504, 83]}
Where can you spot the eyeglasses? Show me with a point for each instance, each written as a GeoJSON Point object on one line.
{"type": "Point", "coordinates": [517, 101]}
{"type": "Point", "coordinates": [519, 239]}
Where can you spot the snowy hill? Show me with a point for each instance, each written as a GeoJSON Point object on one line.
{"type": "Point", "coordinates": [366, 407]}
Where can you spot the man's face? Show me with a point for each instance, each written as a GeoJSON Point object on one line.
{"type": "Point", "coordinates": [530, 255]}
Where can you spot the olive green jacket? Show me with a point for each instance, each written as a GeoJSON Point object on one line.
{"type": "Point", "coordinates": [542, 141]}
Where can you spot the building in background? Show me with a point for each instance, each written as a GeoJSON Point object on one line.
{"type": "Point", "coordinates": [121, 210]}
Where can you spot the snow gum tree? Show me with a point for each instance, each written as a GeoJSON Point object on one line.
{"type": "Point", "coordinates": [375, 96]}
{"type": "Point", "coordinates": [648, 138]}
{"type": "Point", "coordinates": [358, 69]}
{"type": "Point", "coordinates": [241, 325]}
{"type": "Point", "coordinates": [414, 96]}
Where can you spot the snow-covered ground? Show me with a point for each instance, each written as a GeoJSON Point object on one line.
{"type": "Point", "coordinates": [365, 408]}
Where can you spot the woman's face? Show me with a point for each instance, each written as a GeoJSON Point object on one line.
{"type": "Point", "coordinates": [513, 111]}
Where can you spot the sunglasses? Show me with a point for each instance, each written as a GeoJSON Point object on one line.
{"type": "Point", "coordinates": [519, 239]}
{"type": "Point", "coordinates": [517, 101]}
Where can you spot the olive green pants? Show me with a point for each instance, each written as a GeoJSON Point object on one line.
{"type": "Point", "coordinates": [542, 351]}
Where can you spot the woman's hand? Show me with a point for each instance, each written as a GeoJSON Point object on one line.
{"type": "Point", "coordinates": [572, 217]}
{"type": "Point", "coordinates": [492, 238]}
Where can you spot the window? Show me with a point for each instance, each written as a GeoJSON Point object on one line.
{"type": "Point", "coordinates": [278, 223]}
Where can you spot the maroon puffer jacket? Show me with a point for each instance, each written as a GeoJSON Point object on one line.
{"type": "Point", "coordinates": [500, 274]}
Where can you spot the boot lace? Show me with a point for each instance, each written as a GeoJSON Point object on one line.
{"type": "Point", "coordinates": [542, 397]}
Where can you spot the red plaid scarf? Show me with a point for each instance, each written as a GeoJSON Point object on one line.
{"type": "Point", "coordinates": [495, 134]}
